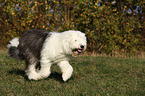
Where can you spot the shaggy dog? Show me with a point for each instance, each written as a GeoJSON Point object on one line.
{"type": "Point", "coordinates": [46, 48]}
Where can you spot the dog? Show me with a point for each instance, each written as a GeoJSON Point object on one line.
{"type": "Point", "coordinates": [46, 48]}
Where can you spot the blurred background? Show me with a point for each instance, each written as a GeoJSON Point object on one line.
{"type": "Point", "coordinates": [111, 26]}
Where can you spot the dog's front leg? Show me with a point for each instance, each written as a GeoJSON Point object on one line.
{"type": "Point", "coordinates": [66, 69]}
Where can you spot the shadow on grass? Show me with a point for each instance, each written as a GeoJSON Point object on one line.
{"type": "Point", "coordinates": [18, 72]}
{"type": "Point", "coordinates": [54, 75]}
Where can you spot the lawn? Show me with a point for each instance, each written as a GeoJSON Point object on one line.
{"type": "Point", "coordinates": [92, 76]}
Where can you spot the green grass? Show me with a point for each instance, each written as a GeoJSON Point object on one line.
{"type": "Point", "coordinates": [92, 76]}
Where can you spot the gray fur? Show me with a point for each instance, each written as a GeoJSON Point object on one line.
{"type": "Point", "coordinates": [15, 53]}
{"type": "Point", "coordinates": [30, 46]}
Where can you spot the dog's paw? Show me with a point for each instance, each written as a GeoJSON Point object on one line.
{"type": "Point", "coordinates": [44, 74]}
{"type": "Point", "coordinates": [66, 76]}
{"type": "Point", "coordinates": [33, 76]}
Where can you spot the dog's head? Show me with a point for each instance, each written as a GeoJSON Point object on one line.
{"type": "Point", "coordinates": [76, 41]}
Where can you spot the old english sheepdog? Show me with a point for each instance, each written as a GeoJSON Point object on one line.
{"type": "Point", "coordinates": [47, 48]}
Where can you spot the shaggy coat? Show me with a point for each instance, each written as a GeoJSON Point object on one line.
{"type": "Point", "coordinates": [46, 48]}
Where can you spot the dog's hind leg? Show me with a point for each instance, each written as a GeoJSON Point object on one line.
{"type": "Point", "coordinates": [44, 71]}
{"type": "Point", "coordinates": [31, 69]}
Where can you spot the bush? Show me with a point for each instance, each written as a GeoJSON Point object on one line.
{"type": "Point", "coordinates": [108, 25]}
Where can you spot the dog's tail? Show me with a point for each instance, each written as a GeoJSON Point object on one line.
{"type": "Point", "coordinates": [13, 49]}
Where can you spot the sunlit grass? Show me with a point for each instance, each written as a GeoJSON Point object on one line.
{"type": "Point", "coordinates": [93, 75]}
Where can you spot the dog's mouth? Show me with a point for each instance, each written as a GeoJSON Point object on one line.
{"type": "Point", "coordinates": [77, 50]}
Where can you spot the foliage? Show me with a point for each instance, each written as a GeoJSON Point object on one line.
{"type": "Point", "coordinates": [109, 25]}
{"type": "Point", "coordinates": [92, 76]}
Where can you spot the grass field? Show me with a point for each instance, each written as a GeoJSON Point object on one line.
{"type": "Point", "coordinates": [92, 76]}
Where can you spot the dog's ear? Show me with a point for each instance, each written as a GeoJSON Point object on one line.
{"type": "Point", "coordinates": [66, 45]}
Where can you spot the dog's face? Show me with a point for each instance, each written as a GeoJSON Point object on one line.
{"type": "Point", "coordinates": [74, 42]}
{"type": "Point", "coordinates": [78, 42]}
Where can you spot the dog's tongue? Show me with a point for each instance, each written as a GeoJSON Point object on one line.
{"type": "Point", "coordinates": [79, 50]}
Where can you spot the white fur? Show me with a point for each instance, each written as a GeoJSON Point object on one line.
{"type": "Point", "coordinates": [57, 48]}
{"type": "Point", "coordinates": [14, 42]}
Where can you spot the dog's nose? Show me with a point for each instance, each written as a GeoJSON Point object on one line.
{"type": "Point", "coordinates": [82, 46]}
